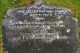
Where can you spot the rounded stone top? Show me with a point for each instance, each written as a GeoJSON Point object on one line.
{"type": "Point", "coordinates": [38, 2]}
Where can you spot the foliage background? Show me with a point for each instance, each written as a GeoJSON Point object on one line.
{"type": "Point", "coordinates": [73, 5]}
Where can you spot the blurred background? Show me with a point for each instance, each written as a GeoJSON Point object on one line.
{"type": "Point", "coordinates": [73, 5]}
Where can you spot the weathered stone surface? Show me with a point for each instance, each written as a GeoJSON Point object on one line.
{"type": "Point", "coordinates": [40, 29]}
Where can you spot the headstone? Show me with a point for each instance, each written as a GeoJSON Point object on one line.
{"type": "Point", "coordinates": [40, 28]}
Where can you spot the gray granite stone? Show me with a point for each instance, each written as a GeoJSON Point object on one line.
{"type": "Point", "coordinates": [40, 28]}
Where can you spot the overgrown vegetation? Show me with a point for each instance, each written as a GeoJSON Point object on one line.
{"type": "Point", "coordinates": [73, 5]}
